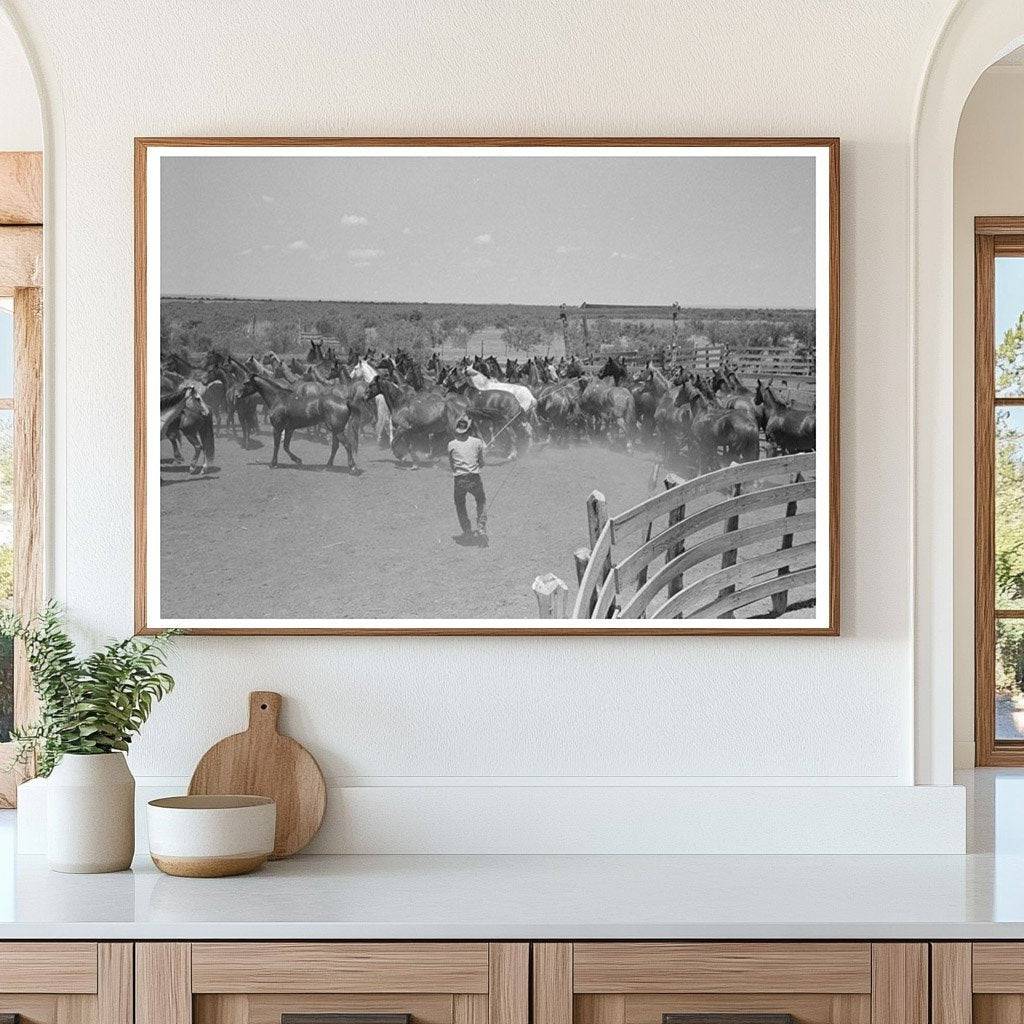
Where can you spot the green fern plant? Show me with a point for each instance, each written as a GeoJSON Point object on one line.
{"type": "Point", "coordinates": [90, 705]}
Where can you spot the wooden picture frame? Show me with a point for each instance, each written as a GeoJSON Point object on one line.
{"type": "Point", "coordinates": [550, 591]}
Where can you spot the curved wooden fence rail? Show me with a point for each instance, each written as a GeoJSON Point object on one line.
{"type": "Point", "coordinates": [755, 541]}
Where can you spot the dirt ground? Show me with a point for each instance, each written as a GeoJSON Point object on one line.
{"type": "Point", "coordinates": [303, 542]}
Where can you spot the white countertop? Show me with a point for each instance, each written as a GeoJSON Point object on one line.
{"type": "Point", "coordinates": [978, 896]}
{"type": "Point", "coordinates": [532, 897]}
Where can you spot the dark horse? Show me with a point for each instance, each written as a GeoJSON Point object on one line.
{"type": "Point", "coordinates": [786, 430]}
{"type": "Point", "coordinates": [289, 411]}
{"type": "Point", "coordinates": [183, 413]}
{"type": "Point", "coordinates": [733, 432]}
{"type": "Point", "coordinates": [425, 414]}
{"type": "Point", "coordinates": [616, 369]}
{"type": "Point", "coordinates": [558, 405]}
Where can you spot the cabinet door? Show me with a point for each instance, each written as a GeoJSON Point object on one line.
{"type": "Point", "coordinates": [981, 982]}
{"type": "Point", "coordinates": [332, 983]}
{"type": "Point", "coordinates": [737, 982]}
{"type": "Point", "coordinates": [66, 982]}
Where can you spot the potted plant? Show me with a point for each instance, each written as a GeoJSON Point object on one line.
{"type": "Point", "coordinates": [89, 710]}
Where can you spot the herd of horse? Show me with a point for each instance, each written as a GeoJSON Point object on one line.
{"type": "Point", "coordinates": [710, 420]}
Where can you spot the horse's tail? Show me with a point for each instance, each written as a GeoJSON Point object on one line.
{"type": "Point", "coordinates": [206, 435]}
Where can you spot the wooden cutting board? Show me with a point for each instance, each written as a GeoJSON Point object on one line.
{"type": "Point", "coordinates": [262, 762]}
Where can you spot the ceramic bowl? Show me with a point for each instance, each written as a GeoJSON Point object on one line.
{"type": "Point", "coordinates": [211, 836]}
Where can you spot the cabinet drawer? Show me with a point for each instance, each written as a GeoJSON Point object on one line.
{"type": "Point", "coordinates": [66, 982]}
{"type": "Point", "coordinates": [262, 982]}
{"type": "Point", "coordinates": [48, 967]}
{"type": "Point", "coordinates": [634, 967]}
{"type": "Point", "coordinates": [998, 967]}
{"type": "Point", "coordinates": [340, 967]}
{"type": "Point", "coordinates": [735, 982]}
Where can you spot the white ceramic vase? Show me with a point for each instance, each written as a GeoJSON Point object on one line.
{"type": "Point", "coordinates": [90, 814]}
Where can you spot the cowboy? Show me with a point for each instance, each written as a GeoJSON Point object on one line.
{"type": "Point", "coordinates": [466, 457]}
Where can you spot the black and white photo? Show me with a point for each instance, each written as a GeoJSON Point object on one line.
{"type": "Point", "coordinates": [470, 386]}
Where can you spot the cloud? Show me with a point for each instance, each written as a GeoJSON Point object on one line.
{"type": "Point", "coordinates": [267, 199]}
{"type": "Point", "coordinates": [563, 250]}
{"type": "Point", "coordinates": [407, 230]}
{"type": "Point", "coordinates": [624, 256]}
{"type": "Point", "coordinates": [365, 255]}
{"type": "Point", "coordinates": [297, 246]}
{"type": "Point", "coordinates": [245, 252]}
{"type": "Point", "coordinates": [483, 239]}
{"type": "Point", "coordinates": [353, 219]}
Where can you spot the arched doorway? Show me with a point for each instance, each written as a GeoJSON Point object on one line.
{"type": "Point", "coordinates": [976, 33]}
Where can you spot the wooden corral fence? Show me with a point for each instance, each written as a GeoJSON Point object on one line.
{"type": "Point", "coordinates": [757, 361]}
{"type": "Point", "coordinates": [763, 361]}
{"type": "Point", "coordinates": [753, 543]}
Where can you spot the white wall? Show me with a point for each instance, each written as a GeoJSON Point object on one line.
{"type": "Point", "coordinates": [988, 180]}
{"type": "Point", "coordinates": [21, 125]}
{"type": "Point", "coordinates": [440, 714]}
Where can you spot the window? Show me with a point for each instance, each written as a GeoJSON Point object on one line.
{"type": "Point", "coordinates": [6, 510]}
{"type": "Point", "coordinates": [21, 375]}
{"type": "Point", "coordinates": [999, 490]}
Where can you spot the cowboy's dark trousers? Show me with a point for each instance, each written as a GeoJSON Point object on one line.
{"type": "Point", "coordinates": [470, 483]}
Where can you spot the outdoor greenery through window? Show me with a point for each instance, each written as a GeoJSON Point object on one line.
{"type": "Point", "coordinates": [1009, 497]}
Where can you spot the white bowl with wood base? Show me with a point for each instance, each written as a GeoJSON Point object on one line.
{"type": "Point", "coordinates": [211, 836]}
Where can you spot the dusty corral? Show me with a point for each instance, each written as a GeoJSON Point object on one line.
{"type": "Point", "coordinates": [246, 541]}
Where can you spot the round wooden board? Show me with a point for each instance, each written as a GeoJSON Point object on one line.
{"type": "Point", "coordinates": [262, 762]}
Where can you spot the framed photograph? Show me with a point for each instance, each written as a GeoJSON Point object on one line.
{"type": "Point", "coordinates": [487, 386]}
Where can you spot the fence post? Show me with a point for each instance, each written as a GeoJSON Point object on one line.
{"type": "Point", "coordinates": [551, 594]}
{"type": "Point", "coordinates": [581, 556]}
{"type": "Point", "coordinates": [677, 515]}
{"type": "Point", "coordinates": [597, 516]}
{"type": "Point", "coordinates": [732, 524]}
{"type": "Point", "coordinates": [780, 601]}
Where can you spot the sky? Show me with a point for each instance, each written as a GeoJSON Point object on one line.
{"type": "Point", "coordinates": [6, 352]}
{"type": "Point", "coordinates": [700, 231]}
{"type": "Point", "coordinates": [1009, 293]}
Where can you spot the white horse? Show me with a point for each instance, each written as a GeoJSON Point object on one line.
{"type": "Point", "coordinates": [523, 395]}
{"type": "Point", "coordinates": [366, 373]}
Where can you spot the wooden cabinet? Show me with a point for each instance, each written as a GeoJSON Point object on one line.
{"type": "Point", "coordinates": [815, 982]}
{"type": "Point", "coordinates": [260, 982]}
{"type": "Point", "coordinates": [980, 982]}
{"type": "Point", "coordinates": [494, 983]}
{"type": "Point", "coordinates": [66, 982]}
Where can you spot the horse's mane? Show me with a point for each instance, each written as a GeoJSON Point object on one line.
{"type": "Point", "coordinates": [173, 397]}
{"type": "Point", "coordinates": [275, 384]}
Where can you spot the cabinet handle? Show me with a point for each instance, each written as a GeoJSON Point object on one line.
{"type": "Point", "coordinates": [728, 1018]}
{"type": "Point", "coordinates": [336, 1018]}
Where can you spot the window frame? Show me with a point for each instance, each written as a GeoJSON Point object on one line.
{"type": "Point", "coordinates": [21, 263]}
{"type": "Point", "coordinates": [993, 237]}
